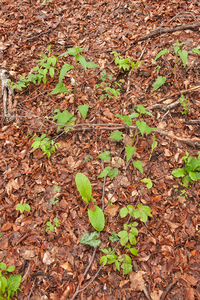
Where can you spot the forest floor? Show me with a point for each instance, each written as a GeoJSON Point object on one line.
{"type": "Point", "coordinates": [54, 264]}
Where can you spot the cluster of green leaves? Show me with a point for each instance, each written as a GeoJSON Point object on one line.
{"type": "Point", "coordinates": [9, 284]}
{"type": "Point", "coordinates": [60, 88]}
{"type": "Point", "coordinates": [125, 63]}
{"type": "Point", "coordinates": [47, 146]}
{"type": "Point", "coordinates": [191, 171]}
{"type": "Point", "coordinates": [55, 199]}
{"type": "Point", "coordinates": [46, 64]}
{"type": "Point", "coordinates": [141, 126]}
{"type": "Point", "coordinates": [184, 104]}
{"type": "Point", "coordinates": [127, 238]}
{"type": "Point", "coordinates": [96, 215]}
{"type": "Point", "coordinates": [108, 92]}
{"type": "Point", "coordinates": [183, 54]}
{"type": "Point", "coordinates": [50, 226]}
{"type": "Point", "coordinates": [23, 207]}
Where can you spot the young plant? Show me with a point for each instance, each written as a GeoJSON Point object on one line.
{"type": "Point", "coordinates": [78, 58]}
{"type": "Point", "coordinates": [127, 238]}
{"type": "Point", "coordinates": [143, 129]}
{"type": "Point", "coordinates": [125, 63]}
{"type": "Point", "coordinates": [183, 54]}
{"type": "Point", "coordinates": [185, 105]}
{"type": "Point", "coordinates": [91, 239]}
{"type": "Point", "coordinates": [22, 207]}
{"type": "Point", "coordinates": [96, 215]}
{"type": "Point", "coordinates": [47, 146]}
{"type": "Point", "coordinates": [50, 226]}
{"type": "Point", "coordinates": [9, 284]}
{"type": "Point", "coordinates": [191, 171]}
{"type": "Point", "coordinates": [55, 200]}
{"type": "Point", "coordinates": [65, 118]}
{"type": "Point", "coordinates": [46, 64]}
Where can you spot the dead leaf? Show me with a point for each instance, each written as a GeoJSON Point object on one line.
{"type": "Point", "coordinates": [47, 259]}
{"type": "Point", "coordinates": [137, 281]}
{"type": "Point", "coordinates": [111, 210]}
{"type": "Point", "coordinates": [66, 266]}
{"type": "Point", "coordinates": [155, 295]}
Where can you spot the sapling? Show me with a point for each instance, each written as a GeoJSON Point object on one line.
{"type": "Point", "coordinates": [96, 215]}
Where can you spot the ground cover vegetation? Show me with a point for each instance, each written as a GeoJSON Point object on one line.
{"type": "Point", "coordinates": [108, 126]}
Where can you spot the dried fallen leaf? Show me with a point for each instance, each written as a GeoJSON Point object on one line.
{"type": "Point", "coordinates": [155, 295]}
{"type": "Point", "coordinates": [66, 266]}
{"type": "Point", "coordinates": [137, 281]}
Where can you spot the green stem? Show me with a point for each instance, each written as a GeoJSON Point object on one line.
{"type": "Point", "coordinates": [75, 83]}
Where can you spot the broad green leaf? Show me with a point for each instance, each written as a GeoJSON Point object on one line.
{"type": "Point", "coordinates": [154, 143]}
{"type": "Point", "coordinates": [132, 239]}
{"type": "Point", "coordinates": [113, 238]}
{"type": "Point", "coordinates": [3, 284]}
{"type": "Point", "coordinates": [126, 119]}
{"type": "Point", "coordinates": [148, 182]}
{"type": "Point", "coordinates": [117, 265]}
{"type": "Point", "coordinates": [142, 126]}
{"type": "Point", "coordinates": [82, 60]}
{"type": "Point", "coordinates": [141, 109]}
{"type": "Point", "coordinates": [103, 260]}
{"type": "Point", "coordinates": [159, 82]}
{"type": "Point", "coordinates": [193, 176]}
{"type": "Point", "coordinates": [113, 173]}
{"type": "Point", "coordinates": [13, 284]}
{"type": "Point", "coordinates": [3, 266]}
{"type": "Point", "coordinates": [123, 234]}
{"type": "Point", "coordinates": [97, 218]}
{"type": "Point", "coordinates": [60, 88]}
{"type": "Point", "coordinates": [83, 110]}
{"type": "Point", "coordinates": [133, 251]}
{"type": "Point", "coordinates": [11, 269]}
{"type": "Point", "coordinates": [178, 173]}
{"type": "Point", "coordinates": [129, 152]}
{"type": "Point", "coordinates": [90, 65]}
{"type": "Point", "coordinates": [123, 212]}
{"type": "Point", "coordinates": [161, 53]}
{"type": "Point", "coordinates": [134, 115]}
{"type": "Point", "coordinates": [64, 70]}
{"type": "Point", "coordinates": [84, 187]}
{"type": "Point", "coordinates": [117, 136]}
{"type": "Point", "coordinates": [195, 50]}
{"type": "Point", "coordinates": [91, 239]}
{"type": "Point", "coordinates": [105, 172]}
{"type": "Point", "coordinates": [145, 209]}
{"type": "Point", "coordinates": [138, 164]}
{"type": "Point", "coordinates": [105, 156]}
{"type": "Point", "coordinates": [183, 55]}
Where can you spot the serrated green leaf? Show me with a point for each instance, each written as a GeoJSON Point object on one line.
{"type": "Point", "coordinates": [103, 260]}
{"type": "Point", "coordinates": [159, 82]}
{"type": "Point", "coordinates": [117, 136]}
{"type": "Point", "coordinates": [91, 239]}
{"type": "Point", "coordinates": [84, 187]}
{"type": "Point", "coordinates": [178, 173]}
{"type": "Point", "coordinates": [138, 164]}
{"type": "Point", "coordinates": [105, 156]}
{"type": "Point", "coordinates": [162, 52]}
{"type": "Point", "coordinates": [83, 110]}
{"type": "Point", "coordinates": [97, 218]}
{"type": "Point", "coordinates": [113, 238]}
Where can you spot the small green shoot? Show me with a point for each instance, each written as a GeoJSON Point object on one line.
{"type": "Point", "coordinates": [50, 226]}
{"type": "Point", "coordinates": [22, 207]}
{"type": "Point", "coordinates": [47, 146]}
{"type": "Point", "coordinates": [9, 284]}
{"type": "Point", "coordinates": [184, 104]}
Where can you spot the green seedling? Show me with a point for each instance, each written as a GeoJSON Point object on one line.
{"type": "Point", "coordinates": [46, 65]}
{"type": "Point", "coordinates": [191, 171]}
{"type": "Point", "coordinates": [47, 146]}
{"type": "Point", "coordinates": [125, 63]}
{"type": "Point", "coordinates": [23, 207]}
{"type": "Point", "coordinates": [78, 58]}
{"type": "Point", "coordinates": [9, 283]}
{"type": "Point", "coordinates": [148, 182]}
{"type": "Point", "coordinates": [96, 215]}
{"type": "Point", "coordinates": [63, 118]}
{"type": "Point", "coordinates": [105, 76]}
{"type": "Point", "coordinates": [88, 158]}
{"type": "Point", "coordinates": [108, 92]}
{"type": "Point", "coordinates": [183, 54]}
{"type": "Point", "coordinates": [91, 239]}
{"type": "Point", "coordinates": [50, 226]}
{"type": "Point", "coordinates": [56, 199]}
{"type": "Point", "coordinates": [184, 104]}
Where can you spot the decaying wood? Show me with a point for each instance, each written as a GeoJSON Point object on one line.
{"type": "Point", "coordinates": [8, 95]}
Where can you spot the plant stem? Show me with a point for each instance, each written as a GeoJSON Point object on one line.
{"type": "Point", "coordinates": [75, 83]}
